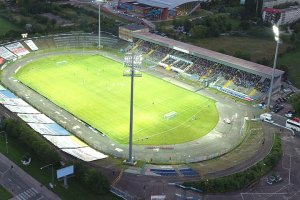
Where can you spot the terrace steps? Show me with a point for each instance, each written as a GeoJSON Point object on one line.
{"type": "Point", "coordinates": [165, 58]}
{"type": "Point", "coordinates": [252, 92]}
{"type": "Point", "coordinates": [150, 52]}
{"type": "Point", "coordinates": [175, 62]}
{"type": "Point", "coordinates": [188, 67]}
{"type": "Point", "coordinates": [229, 82]}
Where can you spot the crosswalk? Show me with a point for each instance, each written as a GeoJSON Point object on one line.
{"type": "Point", "coordinates": [27, 194]}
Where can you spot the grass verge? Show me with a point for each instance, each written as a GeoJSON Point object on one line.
{"type": "Point", "coordinates": [4, 194]}
{"type": "Point", "coordinates": [241, 180]}
{"type": "Point", "coordinates": [16, 151]}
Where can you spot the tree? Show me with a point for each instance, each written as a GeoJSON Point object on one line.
{"type": "Point", "coordinates": [264, 61]}
{"type": "Point", "coordinates": [295, 101]}
{"type": "Point", "coordinates": [199, 31]}
{"type": "Point", "coordinates": [96, 182]}
{"type": "Point", "coordinates": [228, 27]}
{"type": "Point", "coordinates": [177, 22]}
{"type": "Point", "coordinates": [250, 7]}
{"type": "Point", "coordinates": [242, 55]}
{"type": "Point", "coordinates": [285, 69]}
{"type": "Point", "coordinates": [293, 38]}
{"type": "Point", "coordinates": [213, 30]}
{"type": "Point", "coordinates": [187, 25]}
{"type": "Point", "coordinates": [244, 25]}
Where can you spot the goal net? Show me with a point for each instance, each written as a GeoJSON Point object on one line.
{"type": "Point", "coordinates": [170, 115]}
{"type": "Point", "coordinates": [61, 62]}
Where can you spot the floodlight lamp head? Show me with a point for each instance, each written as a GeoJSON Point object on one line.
{"type": "Point", "coordinates": [276, 31]}
{"type": "Point", "coordinates": [137, 59]}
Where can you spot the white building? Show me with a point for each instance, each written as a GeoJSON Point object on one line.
{"type": "Point", "coordinates": [271, 3]}
{"type": "Point", "coordinates": [287, 15]}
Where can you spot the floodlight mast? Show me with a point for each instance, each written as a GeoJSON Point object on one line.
{"type": "Point", "coordinates": [99, 20]}
{"type": "Point", "coordinates": [132, 61]}
{"type": "Point", "coordinates": [99, 26]}
{"type": "Point", "coordinates": [276, 37]}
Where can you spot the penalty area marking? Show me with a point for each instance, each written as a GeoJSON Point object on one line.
{"type": "Point", "coordinates": [181, 124]}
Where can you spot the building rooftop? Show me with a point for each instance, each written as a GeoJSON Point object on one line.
{"type": "Point", "coordinates": [134, 27]}
{"type": "Point", "coordinates": [170, 4]}
{"type": "Point", "coordinates": [210, 55]}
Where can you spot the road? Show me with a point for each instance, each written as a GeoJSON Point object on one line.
{"type": "Point", "coordinates": [21, 184]}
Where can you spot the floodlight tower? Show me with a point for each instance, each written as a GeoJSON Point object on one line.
{"type": "Point", "coordinates": [99, 26]}
{"type": "Point", "coordinates": [132, 63]}
{"type": "Point", "coordinates": [276, 35]}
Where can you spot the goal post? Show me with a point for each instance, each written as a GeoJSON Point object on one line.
{"type": "Point", "coordinates": [170, 115]}
{"type": "Point", "coordinates": [61, 62]}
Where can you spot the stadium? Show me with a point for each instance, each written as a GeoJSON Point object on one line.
{"type": "Point", "coordinates": [159, 10]}
{"type": "Point", "coordinates": [178, 115]}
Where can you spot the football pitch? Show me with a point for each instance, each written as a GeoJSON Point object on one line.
{"type": "Point", "coordinates": [94, 89]}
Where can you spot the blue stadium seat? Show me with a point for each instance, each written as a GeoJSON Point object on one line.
{"type": "Point", "coordinates": [164, 172]}
{"type": "Point", "coordinates": [188, 172]}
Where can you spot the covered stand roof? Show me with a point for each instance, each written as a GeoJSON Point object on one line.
{"type": "Point", "coordinates": [170, 4]}
{"type": "Point", "coordinates": [231, 61]}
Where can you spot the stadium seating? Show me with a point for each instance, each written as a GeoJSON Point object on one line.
{"type": "Point", "coordinates": [73, 41]}
{"type": "Point", "coordinates": [44, 43]}
{"type": "Point", "coordinates": [164, 172]}
{"type": "Point", "coordinates": [188, 172]}
{"type": "Point", "coordinates": [217, 75]}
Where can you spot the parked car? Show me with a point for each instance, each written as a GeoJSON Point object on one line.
{"type": "Point", "coordinates": [269, 182]}
{"type": "Point", "coordinates": [288, 115]}
{"type": "Point", "coordinates": [227, 121]}
{"type": "Point", "coordinates": [278, 178]}
{"type": "Point", "coordinates": [278, 108]}
{"type": "Point", "coordinates": [273, 179]}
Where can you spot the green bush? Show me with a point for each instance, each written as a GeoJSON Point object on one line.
{"type": "Point", "coordinates": [90, 178]}
{"type": "Point", "coordinates": [241, 180]}
{"type": "Point", "coordinates": [34, 142]}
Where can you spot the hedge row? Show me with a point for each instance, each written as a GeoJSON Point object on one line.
{"type": "Point", "coordinates": [243, 179]}
{"type": "Point", "coordinates": [91, 179]}
{"type": "Point", "coordinates": [28, 137]}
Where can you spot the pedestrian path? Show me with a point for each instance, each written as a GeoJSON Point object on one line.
{"type": "Point", "coordinates": [28, 194]}
{"type": "Point", "coordinates": [18, 179]}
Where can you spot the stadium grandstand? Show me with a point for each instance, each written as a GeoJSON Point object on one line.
{"type": "Point", "coordinates": [159, 9]}
{"type": "Point", "coordinates": [240, 78]}
{"type": "Point", "coordinates": [243, 79]}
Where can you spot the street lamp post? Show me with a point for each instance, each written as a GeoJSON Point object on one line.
{"type": "Point", "coordinates": [132, 63]}
{"type": "Point", "coordinates": [52, 171]}
{"type": "Point", "coordinates": [276, 35]}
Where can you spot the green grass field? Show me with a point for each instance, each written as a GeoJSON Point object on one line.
{"type": "Point", "coordinates": [292, 61]}
{"type": "Point", "coordinates": [257, 48]}
{"type": "Point", "coordinates": [93, 89]}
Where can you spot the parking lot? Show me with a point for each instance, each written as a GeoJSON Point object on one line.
{"type": "Point", "coordinates": [287, 168]}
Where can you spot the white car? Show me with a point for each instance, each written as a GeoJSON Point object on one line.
{"type": "Point", "coordinates": [288, 115]}
{"type": "Point", "coordinates": [227, 121]}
